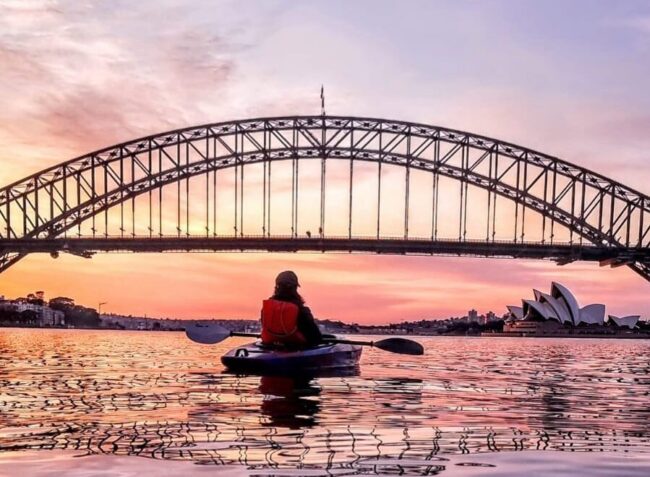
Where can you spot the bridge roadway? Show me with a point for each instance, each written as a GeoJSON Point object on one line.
{"type": "Point", "coordinates": [560, 252]}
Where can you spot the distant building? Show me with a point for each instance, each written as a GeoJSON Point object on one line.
{"type": "Point", "coordinates": [143, 323]}
{"type": "Point", "coordinates": [559, 311]}
{"type": "Point", "coordinates": [46, 315]}
{"type": "Point", "coordinates": [472, 316]}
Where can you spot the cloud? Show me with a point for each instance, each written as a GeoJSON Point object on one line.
{"type": "Point", "coordinates": [77, 86]}
{"type": "Point", "coordinates": [77, 76]}
{"type": "Point", "coordinates": [639, 24]}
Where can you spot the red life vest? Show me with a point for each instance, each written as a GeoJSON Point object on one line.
{"type": "Point", "coordinates": [280, 324]}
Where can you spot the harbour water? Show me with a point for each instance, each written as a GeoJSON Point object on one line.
{"type": "Point", "coordinates": [102, 403]}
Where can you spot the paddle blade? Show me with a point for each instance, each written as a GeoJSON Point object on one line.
{"type": "Point", "coordinates": [206, 333]}
{"type": "Point", "coordinates": [400, 345]}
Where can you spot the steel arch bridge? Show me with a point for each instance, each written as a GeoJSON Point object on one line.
{"type": "Point", "coordinates": [88, 204]}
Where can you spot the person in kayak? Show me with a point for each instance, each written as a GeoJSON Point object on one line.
{"type": "Point", "coordinates": [286, 321]}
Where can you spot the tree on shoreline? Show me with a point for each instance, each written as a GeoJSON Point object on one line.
{"type": "Point", "coordinates": [76, 315]}
{"type": "Point", "coordinates": [61, 303]}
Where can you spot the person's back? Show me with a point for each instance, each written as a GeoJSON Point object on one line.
{"type": "Point", "coordinates": [286, 321]}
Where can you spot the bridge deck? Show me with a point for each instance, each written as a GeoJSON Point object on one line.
{"type": "Point", "coordinates": [560, 252]}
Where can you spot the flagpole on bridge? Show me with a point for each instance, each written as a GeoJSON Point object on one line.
{"type": "Point", "coordinates": [322, 100]}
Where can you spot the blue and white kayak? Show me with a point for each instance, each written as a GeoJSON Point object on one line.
{"type": "Point", "coordinates": [256, 358]}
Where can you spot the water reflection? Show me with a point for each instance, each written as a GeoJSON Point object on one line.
{"type": "Point", "coordinates": [290, 402]}
{"type": "Point", "coordinates": [127, 394]}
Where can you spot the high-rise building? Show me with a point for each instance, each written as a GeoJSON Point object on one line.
{"type": "Point", "coordinates": [472, 316]}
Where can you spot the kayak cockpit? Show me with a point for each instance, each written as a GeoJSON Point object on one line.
{"type": "Point", "coordinates": [256, 358]}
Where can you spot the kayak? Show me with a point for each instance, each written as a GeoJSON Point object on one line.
{"type": "Point", "coordinates": [255, 358]}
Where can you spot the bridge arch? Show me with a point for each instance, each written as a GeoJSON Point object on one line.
{"type": "Point", "coordinates": [600, 212]}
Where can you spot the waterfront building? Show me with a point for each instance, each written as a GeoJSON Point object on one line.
{"type": "Point", "coordinates": [558, 313]}
{"type": "Point", "coordinates": [45, 315]}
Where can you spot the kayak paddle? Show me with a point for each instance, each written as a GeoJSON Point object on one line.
{"type": "Point", "coordinates": [212, 333]}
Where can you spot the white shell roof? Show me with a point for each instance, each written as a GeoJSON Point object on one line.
{"type": "Point", "coordinates": [625, 321]}
{"type": "Point", "coordinates": [517, 311]}
{"type": "Point", "coordinates": [559, 307]}
{"type": "Point", "coordinates": [542, 308]}
{"type": "Point", "coordinates": [561, 292]}
{"type": "Point", "coordinates": [593, 314]}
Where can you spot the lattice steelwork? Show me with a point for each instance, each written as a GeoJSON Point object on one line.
{"type": "Point", "coordinates": [89, 203]}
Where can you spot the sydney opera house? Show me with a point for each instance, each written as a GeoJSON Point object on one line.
{"type": "Point", "coordinates": [559, 312]}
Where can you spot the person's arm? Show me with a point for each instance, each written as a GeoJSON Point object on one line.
{"type": "Point", "coordinates": [307, 325]}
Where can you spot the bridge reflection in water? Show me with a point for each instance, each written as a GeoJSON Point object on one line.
{"type": "Point", "coordinates": [326, 183]}
{"type": "Point", "coordinates": [114, 393]}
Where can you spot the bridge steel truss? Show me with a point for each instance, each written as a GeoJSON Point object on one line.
{"type": "Point", "coordinates": [606, 220]}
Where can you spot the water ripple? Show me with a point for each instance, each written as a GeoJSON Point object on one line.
{"type": "Point", "coordinates": [158, 396]}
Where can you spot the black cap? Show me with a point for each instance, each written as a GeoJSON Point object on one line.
{"type": "Point", "coordinates": [287, 278]}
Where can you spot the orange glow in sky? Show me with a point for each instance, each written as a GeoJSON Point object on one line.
{"type": "Point", "coordinates": [77, 77]}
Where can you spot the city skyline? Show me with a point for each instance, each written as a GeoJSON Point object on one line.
{"type": "Point", "coordinates": [72, 83]}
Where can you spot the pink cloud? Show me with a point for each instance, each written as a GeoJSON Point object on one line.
{"type": "Point", "coordinates": [77, 77]}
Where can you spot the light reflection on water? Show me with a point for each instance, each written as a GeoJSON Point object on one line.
{"type": "Point", "coordinates": [157, 395]}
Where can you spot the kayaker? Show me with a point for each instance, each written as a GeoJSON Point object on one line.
{"type": "Point", "coordinates": [286, 321]}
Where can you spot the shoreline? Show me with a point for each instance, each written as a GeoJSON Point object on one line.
{"type": "Point", "coordinates": [641, 336]}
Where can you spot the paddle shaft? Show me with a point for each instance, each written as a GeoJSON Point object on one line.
{"type": "Point", "coordinates": [327, 340]}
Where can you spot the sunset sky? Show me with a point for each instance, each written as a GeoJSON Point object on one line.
{"type": "Point", "coordinates": [569, 78]}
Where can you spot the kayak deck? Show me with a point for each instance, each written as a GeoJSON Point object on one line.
{"type": "Point", "coordinates": [255, 358]}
